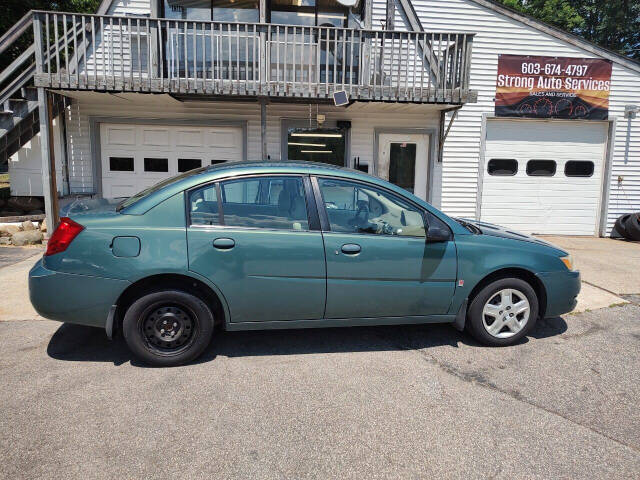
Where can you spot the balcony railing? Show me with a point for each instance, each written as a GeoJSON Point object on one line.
{"type": "Point", "coordinates": [139, 54]}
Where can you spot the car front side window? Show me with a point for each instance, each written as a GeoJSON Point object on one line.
{"type": "Point", "coordinates": [353, 207]}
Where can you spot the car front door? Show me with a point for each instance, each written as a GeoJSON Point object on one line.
{"type": "Point", "coordinates": [254, 239]}
{"type": "Point", "coordinates": [379, 263]}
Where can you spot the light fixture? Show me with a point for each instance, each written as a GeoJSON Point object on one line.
{"type": "Point", "coordinates": [308, 144]}
{"type": "Point", "coordinates": [316, 151]}
{"type": "Point", "coordinates": [318, 134]}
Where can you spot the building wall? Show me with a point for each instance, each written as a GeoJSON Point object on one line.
{"type": "Point", "coordinates": [499, 34]}
{"type": "Point", "coordinates": [25, 166]}
{"type": "Point", "coordinates": [365, 119]}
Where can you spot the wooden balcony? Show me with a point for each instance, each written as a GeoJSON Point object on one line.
{"type": "Point", "coordinates": [180, 57]}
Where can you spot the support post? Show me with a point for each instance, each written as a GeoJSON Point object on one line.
{"type": "Point", "coordinates": [444, 133]}
{"type": "Point", "coordinates": [263, 127]}
{"type": "Point", "coordinates": [391, 14]}
{"type": "Point", "coordinates": [49, 189]}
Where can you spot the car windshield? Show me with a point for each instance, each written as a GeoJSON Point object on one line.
{"type": "Point", "coordinates": [154, 188]}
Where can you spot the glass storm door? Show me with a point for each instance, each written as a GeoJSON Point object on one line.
{"type": "Point", "coordinates": [403, 159]}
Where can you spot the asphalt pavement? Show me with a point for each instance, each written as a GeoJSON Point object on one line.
{"type": "Point", "coordinates": [382, 402]}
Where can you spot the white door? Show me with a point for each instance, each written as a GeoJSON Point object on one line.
{"type": "Point", "coordinates": [544, 176]}
{"type": "Point", "coordinates": [403, 159]}
{"type": "Point", "coordinates": [134, 157]}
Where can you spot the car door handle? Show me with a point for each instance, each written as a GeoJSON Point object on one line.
{"type": "Point", "coordinates": [224, 243]}
{"type": "Point", "coordinates": [351, 248]}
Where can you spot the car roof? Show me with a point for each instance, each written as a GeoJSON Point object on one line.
{"type": "Point", "coordinates": [241, 168]}
{"type": "Point", "coordinates": [245, 168]}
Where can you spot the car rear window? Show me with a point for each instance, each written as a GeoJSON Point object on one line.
{"type": "Point", "coordinates": [154, 188]}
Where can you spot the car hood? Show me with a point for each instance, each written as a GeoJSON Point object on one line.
{"type": "Point", "coordinates": [90, 206]}
{"type": "Point", "coordinates": [503, 232]}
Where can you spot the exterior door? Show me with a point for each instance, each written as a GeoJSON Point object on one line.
{"type": "Point", "coordinates": [253, 239]}
{"type": "Point", "coordinates": [378, 261]}
{"type": "Point", "coordinates": [403, 159]}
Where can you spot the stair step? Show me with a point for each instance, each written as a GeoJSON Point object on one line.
{"type": "Point", "coordinates": [29, 93]}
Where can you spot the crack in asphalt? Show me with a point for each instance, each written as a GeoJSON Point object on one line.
{"type": "Point", "coordinates": [477, 378]}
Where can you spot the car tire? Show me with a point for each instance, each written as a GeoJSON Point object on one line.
{"type": "Point", "coordinates": [632, 227]}
{"type": "Point", "coordinates": [620, 225]}
{"type": "Point", "coordinates": [505, 301]}
{"type": "Point", "coordinates": [168, 328]}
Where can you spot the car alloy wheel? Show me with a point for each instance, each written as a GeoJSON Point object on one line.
{"type": "Point", "coordinates": [506, 313]}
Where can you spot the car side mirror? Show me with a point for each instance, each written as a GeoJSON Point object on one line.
{"type": "Point", "coordinates": [437, 234]}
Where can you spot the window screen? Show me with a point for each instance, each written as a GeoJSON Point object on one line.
{"type": "Point", "coordinates": [121, 164]}
{"type": "Point", "coordinates": [502, 167]}
{"type": "Point", "coordinates": [541, 168]}
{"type": "Point", "coordinates": [575, 168]}
{"type": "Point", "coordinates": [186, 164]}
{"type": "Point", "coordinates": [156, 164]}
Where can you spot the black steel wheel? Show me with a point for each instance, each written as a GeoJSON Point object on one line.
{"type": "Point", "coordinates": [168, 328]}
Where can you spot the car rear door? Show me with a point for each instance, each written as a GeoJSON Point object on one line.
{"type": "Point", "coordinates": [258, 239]}
{"type": "Point", "coordinates": [378, 261]}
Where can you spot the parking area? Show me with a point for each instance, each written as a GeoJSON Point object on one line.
{"type": "Point", "coordinates": [381, 402]}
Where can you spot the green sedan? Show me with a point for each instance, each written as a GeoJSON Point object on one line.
{"type": "Point", "coordinates": [257, 245]}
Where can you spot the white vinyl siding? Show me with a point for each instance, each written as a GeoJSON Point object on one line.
{"type": "Point", "coordinates": [365, 119]}
{"type": "Point", "coordinates": [497, 34]}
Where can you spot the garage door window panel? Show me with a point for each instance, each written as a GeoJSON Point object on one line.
{"type": "Point", "coordinates": [121, 164]}
{"type": "Point", "coordinates": [575, 168]}
{"type": "Point", "coordinates": [156, 164]}
{"type": "Point", "coordinates": [186, 164]}
{"type": "Point", "coordinates": [502, 167]}
{"type": "Point", "coordinates": [265, 202]}
{"type": "Point", "coordinates": [541, 168]}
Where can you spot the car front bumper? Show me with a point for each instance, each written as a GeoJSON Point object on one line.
{"type": "Point", "coordinates": [562, 289]}
{"type": "Point", "coordinates": [81, 299]}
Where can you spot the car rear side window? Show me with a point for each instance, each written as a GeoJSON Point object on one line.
{"type": "Point", "coordinates": [541, 168]}
{"type": "Point", "coordinates": [575, 168]}
{"type": "Point", "coordinates": [273, 202]}
{"type": "Point", "coordinates": [502, 167]}
{"type": "Point", "coordinates": [203, 206]}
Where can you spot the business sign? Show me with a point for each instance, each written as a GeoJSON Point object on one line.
{"type": "Point", "coordinates": [553, 87]}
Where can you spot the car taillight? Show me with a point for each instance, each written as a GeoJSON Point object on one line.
{"type": "Point", "coordinates": [63, 236]}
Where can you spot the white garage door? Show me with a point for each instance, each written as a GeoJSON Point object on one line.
{"type": "Point", "coordinates": [134, 157]}
{"type": "Point", "coordinates": [544, 176]}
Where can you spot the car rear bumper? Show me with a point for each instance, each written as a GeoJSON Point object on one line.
{"type": "Point", "coordinates": [562, 289]}
{"type": "Point", "coordinates": [81, 299]}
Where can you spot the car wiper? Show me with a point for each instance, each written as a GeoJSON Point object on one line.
{"type": "Point", "coordinates": [469, 226]}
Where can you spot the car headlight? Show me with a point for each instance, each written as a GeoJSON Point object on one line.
{"type": "Point", "coordinates": [569, 263]}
